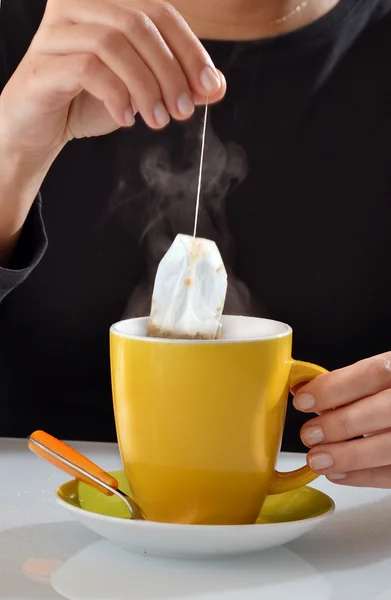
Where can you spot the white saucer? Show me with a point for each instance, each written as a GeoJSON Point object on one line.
{"type": "Point", "coordinates": [283, 518]}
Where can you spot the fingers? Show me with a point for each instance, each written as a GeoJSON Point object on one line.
{"type": "Point", "coordinates": [114, 50]}
{"type": "Point", "coordinates": [341, 387]}
{"type": "Point", "coordinates": [354, 455]}
{"type": "Point", "coordinates": [196, 63]}
{"type": "Point", "coordinates": [377, 478]}
{"type": "Point", "coordinates": [161, 37]}
{"type": "Point", "coordinates": [350, 440]}
{"type": "Point", "coordinates": [369, 415]}
{"type": "Point", "coordinates": [70, 74]}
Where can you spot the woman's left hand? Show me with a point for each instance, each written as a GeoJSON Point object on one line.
{"type": "Point", "coordinates": [353, 402]}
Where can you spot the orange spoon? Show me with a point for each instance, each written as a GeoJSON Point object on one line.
{"type": "Point", "coordinates": [78, 466]}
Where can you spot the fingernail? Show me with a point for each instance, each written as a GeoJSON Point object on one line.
{"type": "Point", "coordinates": [161, 115]}
{"type": "Point", "coordinates": [336, 476]}
{"type": "Point", "coordinates": [185, 105]}
{"type": "Point", "coordinates": [210, 80]}
{"type": "Point", "coordinates": [318, 462]}
{"type": "Point", "coordinates": [312, 435]}
{"type": "Point", "coordinates": [129, 117]}
{"type": "Point", "coordinates": [304, 401]}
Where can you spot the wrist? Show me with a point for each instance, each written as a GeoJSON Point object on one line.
{"type": "Point", "coordinates": [21, 176]}
{"type": "Point", "coordinates": [23, 168]}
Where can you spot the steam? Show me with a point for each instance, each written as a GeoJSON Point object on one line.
{"type": "Point", "coordinates": [169, 174]}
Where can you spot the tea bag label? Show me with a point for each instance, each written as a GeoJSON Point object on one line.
{"type": "Point", "coordinates": [190, 290]}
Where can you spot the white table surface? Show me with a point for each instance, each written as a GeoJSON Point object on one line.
{"type": "Point", "coordinates": [45, 554]}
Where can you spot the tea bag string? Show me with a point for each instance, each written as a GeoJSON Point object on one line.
{"type": "Point", "coordinates": [197, 210]}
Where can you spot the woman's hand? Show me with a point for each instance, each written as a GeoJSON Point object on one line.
{"type": "Point", "coordinates": [353, 402]}
{"type": "Point", "coordinates": [90, 67]}
{"type": "Point", "coordinates": [93, 63]}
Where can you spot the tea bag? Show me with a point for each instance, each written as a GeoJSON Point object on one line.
{"type": "Point", "coordinates": [191, 283]}
{"type": "Point", "coordinates": [189, 291]}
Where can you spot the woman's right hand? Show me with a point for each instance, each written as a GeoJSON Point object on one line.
{"type": "Point", "coordinates": [93, 64]}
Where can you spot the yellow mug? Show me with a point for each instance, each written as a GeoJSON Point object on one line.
{"type": "Point", "coordinates": [199, 423]}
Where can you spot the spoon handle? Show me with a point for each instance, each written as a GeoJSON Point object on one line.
{"type": "Point", "coordinates": [56, 452]}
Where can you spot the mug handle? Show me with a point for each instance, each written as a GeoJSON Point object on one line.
{"type": "Point", "coordinates": [301, 372]}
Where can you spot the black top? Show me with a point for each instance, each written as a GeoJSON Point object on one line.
{"type": "Point", "coordinates": [297, 196]}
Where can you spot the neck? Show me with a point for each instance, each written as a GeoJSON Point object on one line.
{"type": "Point", "coordinates": [250, 19]}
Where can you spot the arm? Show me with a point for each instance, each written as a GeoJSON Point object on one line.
{"type": "Point", "coordinates": [86, 69]}
{"type": "Point", "coordinates": [20, 181]}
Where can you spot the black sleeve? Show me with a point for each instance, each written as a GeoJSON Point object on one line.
{"type": "Point", "coordinates": [29, 250]}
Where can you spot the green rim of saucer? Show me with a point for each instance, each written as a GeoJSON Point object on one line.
{"type": "Point", "coordinates": [298, 505]}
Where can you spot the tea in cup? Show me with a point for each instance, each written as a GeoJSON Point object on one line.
{"type": "Point", "coordinates": [200, 422]}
